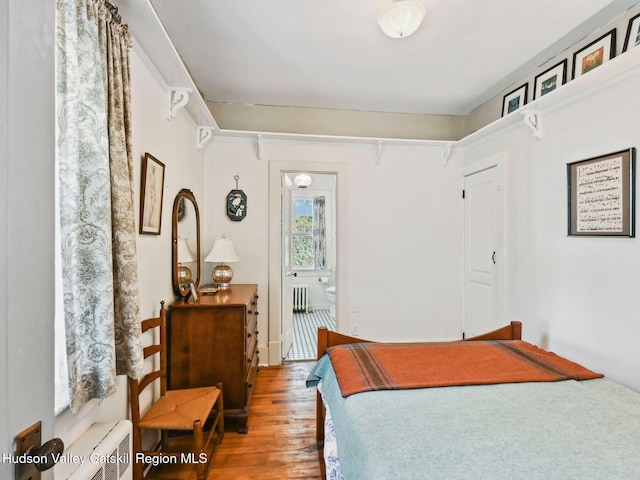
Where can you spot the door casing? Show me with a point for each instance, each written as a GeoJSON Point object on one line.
{"type": "Point", "coordinates": [276, 170]}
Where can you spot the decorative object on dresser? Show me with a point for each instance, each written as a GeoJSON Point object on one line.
{"type": "Point", "coordinates": [216, 340]}
{"type": "Point", "coordinates": [185, 237]}
{"type": "Point", "coordinates": [176, 410]}
{"type": "Point", "coordinates": [222, 252]}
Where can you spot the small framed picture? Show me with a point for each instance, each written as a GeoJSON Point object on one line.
{"type": "Point", "coordinates": [601, 193]}
{"type": "Point", "coordinates": [151, 189]}
{"type": "Point", "coordinates": [236, 205]}
{"type": "Point", "coordinates": [633, 33]}
{"type": "Point", "coordinates": [595, 54]}
{"type": "Point", "coordinates": [550, 79]}
{"type": "Point", "coordinates": [514, 100]}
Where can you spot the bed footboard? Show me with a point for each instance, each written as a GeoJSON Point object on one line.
{"type": "Point", "coordinates": [327, 338]}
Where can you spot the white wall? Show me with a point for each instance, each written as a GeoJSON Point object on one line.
{"type": "Point", "coordinates": [577, 296]}
{"type": "Point", "coordinates": [404, 234]}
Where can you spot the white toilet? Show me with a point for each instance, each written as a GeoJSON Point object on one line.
{"type": "Point", "coordinates": [331, 296]}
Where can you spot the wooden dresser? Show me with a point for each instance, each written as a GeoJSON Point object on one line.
{"type": "Point", "coordinates": [216, 340]}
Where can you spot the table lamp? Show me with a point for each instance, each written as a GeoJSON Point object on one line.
{"type": "Point", "coordinates": [222, 253]}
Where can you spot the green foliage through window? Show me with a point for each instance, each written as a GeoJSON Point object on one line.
{"type": "Point", "coordinates": [302, 250]}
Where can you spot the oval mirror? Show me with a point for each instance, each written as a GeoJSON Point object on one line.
{"type": "Point", "coordinates": [186, 243]}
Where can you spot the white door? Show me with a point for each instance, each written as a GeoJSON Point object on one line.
{"type": "Point", "coordinates": [483, 220]}
{"type": "Point", "coordinates": [287, 273]}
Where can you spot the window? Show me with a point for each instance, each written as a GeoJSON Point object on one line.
{"type": "Point", "coordinates": [308, 233]}
{"type": "Point", "coordinates": [302, 250]}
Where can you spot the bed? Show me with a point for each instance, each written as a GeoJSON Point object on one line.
{"type": "Point", "coordinates": [570, 423]}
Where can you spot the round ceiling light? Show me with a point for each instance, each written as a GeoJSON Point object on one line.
{"type": "Point", "coordinates": [402, 18]}
{"type": "Point", "coordinates": [302, 180]}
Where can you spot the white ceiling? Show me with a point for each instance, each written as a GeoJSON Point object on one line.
{"type": "Point", "coordinates": [331, 53]}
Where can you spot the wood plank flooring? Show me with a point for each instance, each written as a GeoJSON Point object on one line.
{"type": "Point", "coordinates": [281, 442]}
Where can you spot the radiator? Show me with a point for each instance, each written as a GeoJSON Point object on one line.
{"type": "Point", "coordinates": [300, 297]}
{"type": "Point", "coordinates": [103, 452]}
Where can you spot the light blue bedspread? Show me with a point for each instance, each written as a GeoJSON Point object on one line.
{"type": "Point", "coordinates": [549, 431]}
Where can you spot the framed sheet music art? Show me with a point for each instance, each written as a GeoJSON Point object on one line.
{"type": "Point", "coordinates": [601, 194]}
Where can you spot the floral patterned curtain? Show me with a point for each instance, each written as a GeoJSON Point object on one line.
{"type": "Point", "coordinates": [97, 222]}
{"type": "Point", "coordinates": [319, 233]}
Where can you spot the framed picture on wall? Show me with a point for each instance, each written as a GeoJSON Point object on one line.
{"type": "Point", "coordinates": [601, 192]}
{"type": "Point", "coordinates": [550, 79]}
{"type": "Point", "coordinates": [515, 99]}
{"type": "Point", "coordinates": [633, 33]}
{"type": "Point", "coordinates": [595, 54]}
{"type": "Point", "coordinates": [151, 189]}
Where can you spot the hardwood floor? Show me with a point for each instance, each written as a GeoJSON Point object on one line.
{"type": "Point", "coordinates": [281, 442]}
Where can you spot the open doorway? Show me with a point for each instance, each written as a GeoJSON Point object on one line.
{"type": "Point", "coordinates": [309, 233]}
{"type": "Point", "coordinates": [307, 252]}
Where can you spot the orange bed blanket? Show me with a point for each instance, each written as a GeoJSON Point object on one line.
{"type": "Point", "coordinates": [363, 367]}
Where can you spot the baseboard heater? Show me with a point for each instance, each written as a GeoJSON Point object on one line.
{"type": "Point", "coordinates": [103, 452]}
{"type": "Point", "coordinates": [300, 297]}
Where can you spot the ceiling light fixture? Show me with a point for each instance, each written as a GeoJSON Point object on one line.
{"type": "Point", "coordinates": [402, 18]}
{"type": "Point", "coordinates": [302, 180]}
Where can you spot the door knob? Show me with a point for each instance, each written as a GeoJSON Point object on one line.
{"type": "Point", "coordinates": [37, 457]}
{"type": "Point", "coordinates": [295, 274]}
{"type": "Point", "coordinates": [45, 454]}
{"type": "Point", "coordinates": [493, 257]}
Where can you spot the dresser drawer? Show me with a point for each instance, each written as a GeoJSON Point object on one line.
{"type": "Point", "coordinates": [252, 333]}
{"type": "Point", "coordinates": [252, 353]}
{"type": "Point", "coordinates": [253, 370]}
{"type": "Point", "coordinates": [252, 310]}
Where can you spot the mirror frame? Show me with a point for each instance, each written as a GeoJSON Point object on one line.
{"type": "Point", "coordinates": [184, 195]}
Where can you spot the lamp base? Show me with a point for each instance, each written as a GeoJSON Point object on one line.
{"type": "Point", "coordinates": [222, 275]}
{"type": "Point", "coordinates": [184, 275]}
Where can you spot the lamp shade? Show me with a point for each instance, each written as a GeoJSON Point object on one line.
{"type": "Point", "coordinates": [184, 252]}
{"type": "Point", "coordinates": [402, 18]}
{"type": "Point", "coordinates": [222, 251]}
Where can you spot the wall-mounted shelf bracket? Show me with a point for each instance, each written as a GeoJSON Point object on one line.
{"type": "Point", "coordinates": [259, 147]}
{"type": "Point", "coordinates": [178, 98]}
{"type": "Point", "coordinates": [533, 120]}
{"type": "Point", "coordinates": [205, 134]}
{"type": "Point", "coordinates": [446, 154]}
{"type": "Point", "coordinates": [378, 152]}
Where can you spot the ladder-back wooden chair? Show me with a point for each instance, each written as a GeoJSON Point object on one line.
{"type": "Point", "coordinates": [185, 410]}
